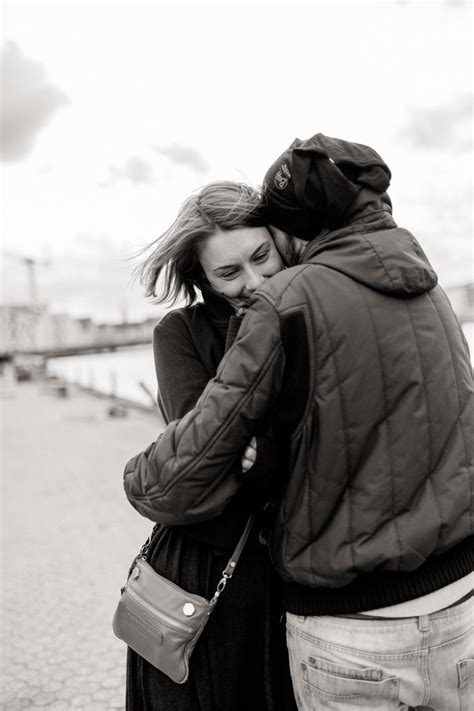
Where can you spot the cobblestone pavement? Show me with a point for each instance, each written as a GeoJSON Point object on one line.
{"type": "Point", "coordinates": [68, 538]}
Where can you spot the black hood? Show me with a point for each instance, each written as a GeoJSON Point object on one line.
{"type": "Point", "coordinates": [390, 261]}
{"type": "Point", "coordinates": [312, 186]}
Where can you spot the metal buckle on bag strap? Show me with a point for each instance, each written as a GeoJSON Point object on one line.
{"type": "Point", "coordinates": [220, 588]}
{"type": "Point", "coordinates": [228, 571]}
{"type": "Point", "coordinates": [144, 550]}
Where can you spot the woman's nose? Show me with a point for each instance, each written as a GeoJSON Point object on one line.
{"type": "Point", "coordinates": [254, 280]}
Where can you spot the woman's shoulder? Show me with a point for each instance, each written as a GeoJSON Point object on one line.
{"type": "Point", "coordinates": [183, 317]}
{"type": "Point", "coordinates": [189, 322]}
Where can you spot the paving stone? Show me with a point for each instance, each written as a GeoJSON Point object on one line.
{"type": "Point", "coordinates": [117, 703]}
{"type": "Point", "coordinates": [30, 692]}
{"type": "Point", "coordinates": [102, 695]}
{"type": "Point", "coordinates": [69, 538]}
{"type": "Point", "coordinates": [18, 704]}
{"type": "Point", "coordinates": [54, 686]}
{"type": "Point", "coordinates": [82, 700]}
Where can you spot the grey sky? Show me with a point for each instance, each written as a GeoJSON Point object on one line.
{"type": "Point", "coordinates": [164, 97]}
{"type": "Point", "coordinates": [448, 126]}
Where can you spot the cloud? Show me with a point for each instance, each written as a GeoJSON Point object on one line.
{"type": "Point", "coordinates": [28, 103]}
{"type": "Point", "coordinates": [136, 170]}
{"type": "Point", "coordinates": [447, 126]}
{"type": "Point", "coordinates": [139, 171]}
{"type": "Point", "coordinates": [184, 155]}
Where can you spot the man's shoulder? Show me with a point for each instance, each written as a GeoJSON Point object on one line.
{"type": "Point", "coordinates": [287, 285]}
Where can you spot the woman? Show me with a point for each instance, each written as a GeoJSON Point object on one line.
{"type": "Point", "coordinates": [219, 245]}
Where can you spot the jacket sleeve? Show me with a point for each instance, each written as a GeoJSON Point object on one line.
{"type": "Point", "coordinates": [187, 475]}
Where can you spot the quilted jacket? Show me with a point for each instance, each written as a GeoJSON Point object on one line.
{"type": "Point", "coordinates": [380, 453]}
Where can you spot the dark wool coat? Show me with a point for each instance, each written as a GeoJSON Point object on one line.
{"type": "Point", "coordinates": [240, 662]}
{"type": "Point", "coordinates": [378, 508]}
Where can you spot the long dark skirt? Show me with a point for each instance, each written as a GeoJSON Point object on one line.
{"type": "Point", "coordinates": [240, 663]}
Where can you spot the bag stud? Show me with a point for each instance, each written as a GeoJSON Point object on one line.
{"type": "Point", "coordinates": [189, 609]}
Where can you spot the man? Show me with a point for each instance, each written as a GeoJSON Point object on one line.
{"type": "Point", "coordinates": [358, 363]}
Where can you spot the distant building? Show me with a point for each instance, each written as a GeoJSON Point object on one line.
{"type": "Point", "coordinates": [462, 300]}
{"type": "Point", "coordinates": [33, 329]}
{"type": "Point", "coordinates": [121, 333]}
{"type": "Point", "coordinates": [27, 329]}
{"type": "Point", "coordinates": [18, 328]}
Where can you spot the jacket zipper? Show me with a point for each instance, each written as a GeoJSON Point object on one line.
{"type": "Point", "coordinates": [170, 621]}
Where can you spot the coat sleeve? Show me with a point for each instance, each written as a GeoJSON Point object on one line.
{"type": "Point", "coordinates": [187, 475]}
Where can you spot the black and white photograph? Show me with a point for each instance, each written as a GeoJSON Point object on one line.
{"type": "Point", "coordinates": [236, 355]}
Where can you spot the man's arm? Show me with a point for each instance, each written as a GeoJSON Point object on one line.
{"type": "Point", "coordinates": [185, 476]}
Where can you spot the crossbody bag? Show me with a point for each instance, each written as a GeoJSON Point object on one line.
{"type": "Point", "coordinates": [161, 621]}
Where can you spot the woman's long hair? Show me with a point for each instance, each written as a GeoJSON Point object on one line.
{"type": "Point", "coordinates": [219, 206]}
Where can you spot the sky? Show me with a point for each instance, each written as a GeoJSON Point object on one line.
{"type": "Point", "coordinates": [113, 113]}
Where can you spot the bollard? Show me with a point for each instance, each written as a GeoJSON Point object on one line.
{"type": "Point", "coordinates": [113, 383]}
{"type": "Point", "coordinates": [117, 410]}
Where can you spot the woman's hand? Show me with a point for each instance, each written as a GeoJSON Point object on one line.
{"type": "Point", "coordinates": [250, 455]}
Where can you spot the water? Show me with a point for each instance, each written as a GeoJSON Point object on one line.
{"type": "Point", "coordinates": [468, 329]}
{"type": "Point", "coordinates": [119, 372]}
{"type": "Point", "coordinates": [116, 373]}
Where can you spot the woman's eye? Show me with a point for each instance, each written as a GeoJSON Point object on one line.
{"type": "Point", "coordinates": [262, 256]}
{"type": "Point", "coordinates": [229, 275]}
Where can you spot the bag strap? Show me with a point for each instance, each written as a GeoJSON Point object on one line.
{"type": "Point", "coordinates": [229, 570]}
{"type": "Point", "coordinates": [144, 549]}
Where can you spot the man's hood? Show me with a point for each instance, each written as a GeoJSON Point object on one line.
{"type": "Point", "coordinates": [389, 260]}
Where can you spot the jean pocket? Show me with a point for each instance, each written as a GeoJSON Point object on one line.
{"type": "Point", "coordinates": [337, 681]}
{"type": "Point", "coordinates": [466, 683]}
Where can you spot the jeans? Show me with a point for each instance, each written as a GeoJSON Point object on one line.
{"type": "Point", "coordinates": [359, 663]}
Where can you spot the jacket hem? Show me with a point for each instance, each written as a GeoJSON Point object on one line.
{"type": "Point", "coordinates": [382, 589]}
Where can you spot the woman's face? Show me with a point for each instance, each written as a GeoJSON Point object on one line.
{"type": "Point", "coordinates": [237, 262]}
